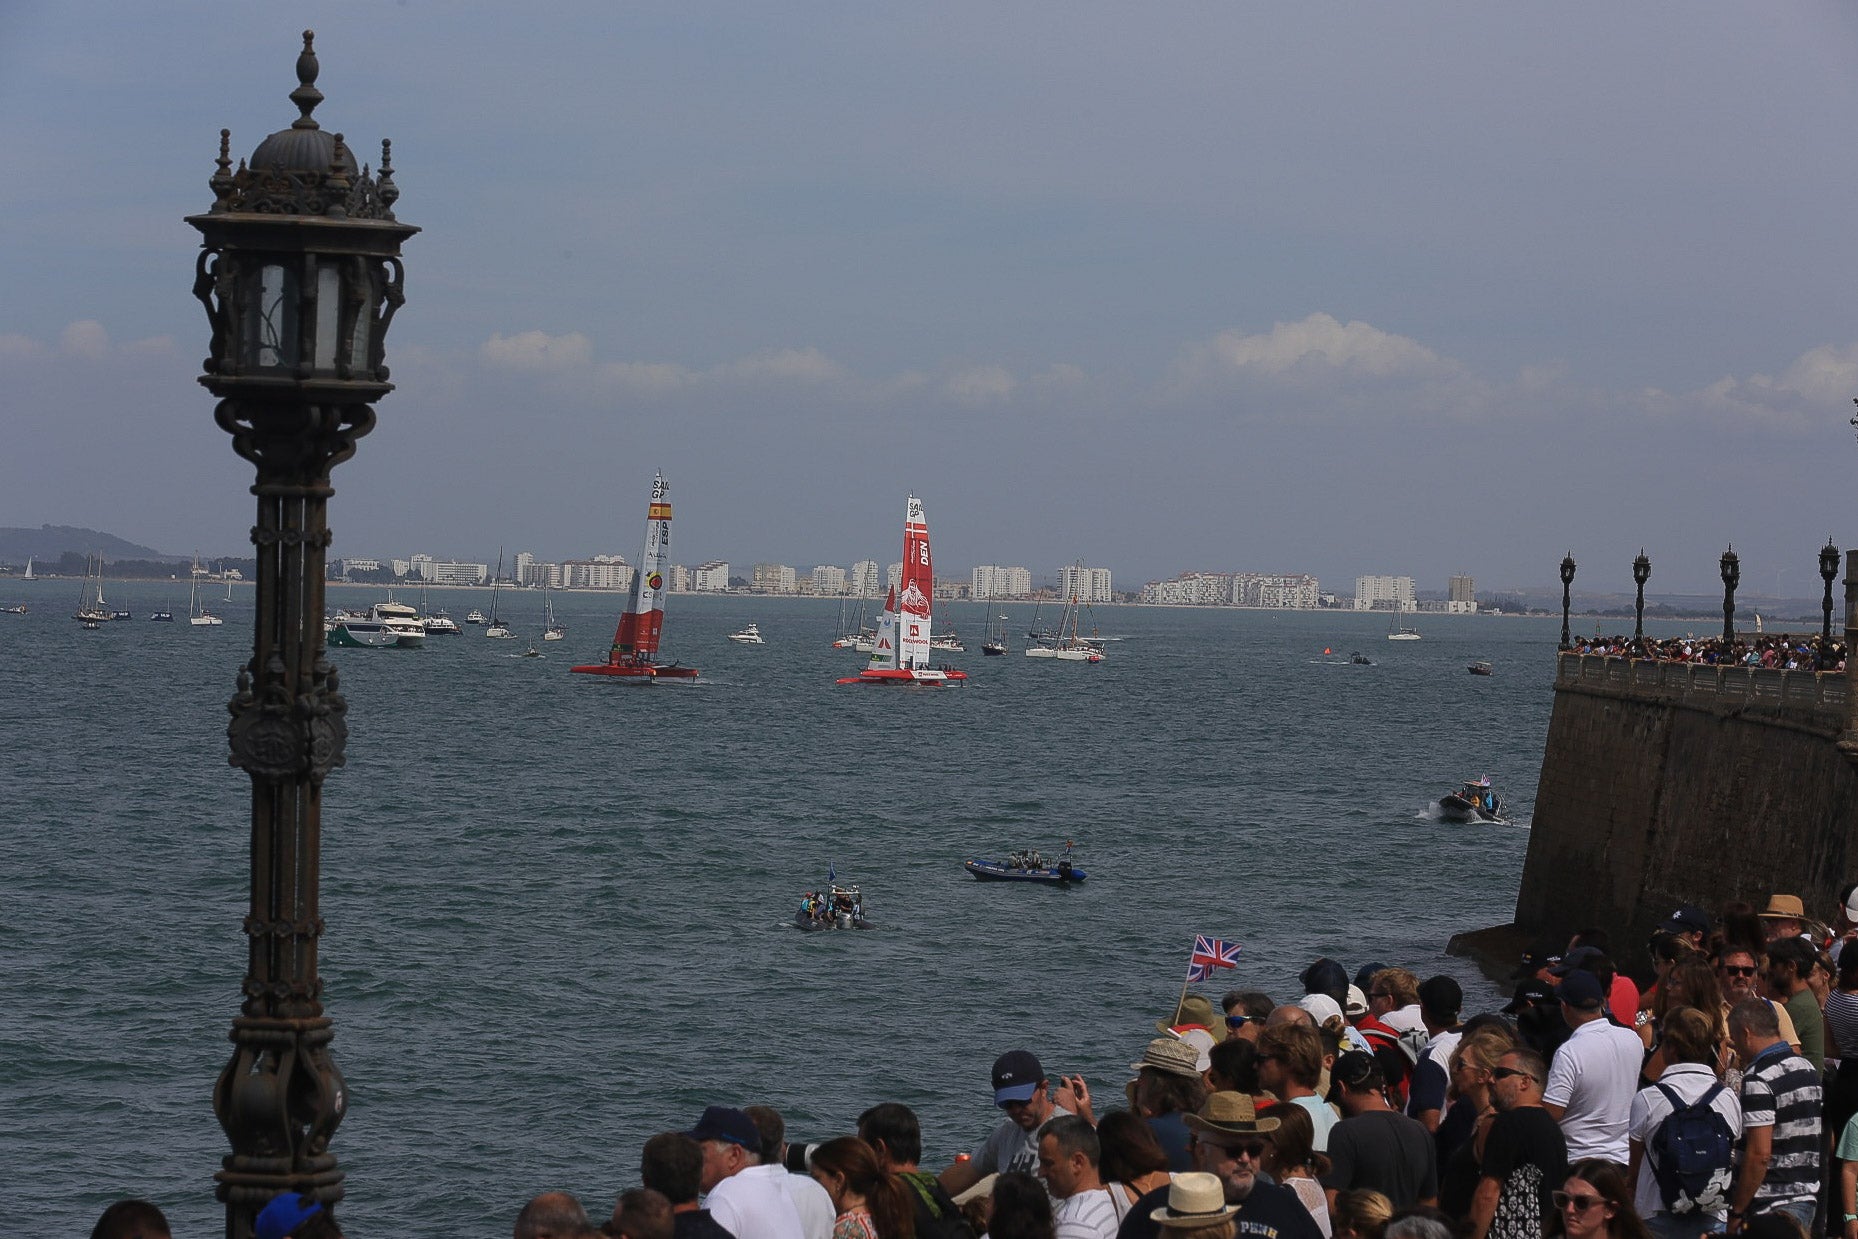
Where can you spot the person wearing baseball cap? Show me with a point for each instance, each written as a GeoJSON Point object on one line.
{"type": "Point", "coordinates": [748, 1199]}
{"type": "Point", "coordinates": [1020, 1089]}
{"type": "Point", "coordinates": [1689, 923]}
{"type": "Point", "coordinates": [1595, 1074]}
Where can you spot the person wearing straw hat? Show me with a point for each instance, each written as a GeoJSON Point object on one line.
{"type": "Point", "coordinates": [1230, 1142]}
{"type": "Point", "coordinates": [1194, 1012]}
{"type": "Point", "coordinates": [1168, 1086]}
{"type": "Point", "coordinates": [1196, 1208]}
{"type": "Point", "coordinates": [1785, 917]}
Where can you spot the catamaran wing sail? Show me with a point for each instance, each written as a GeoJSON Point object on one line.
{"type": "Point", "coordinates": [643, 622]}
{"type": "Point", "coordinates": [914, 589]}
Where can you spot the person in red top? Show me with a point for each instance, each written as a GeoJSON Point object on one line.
{"type": "Point", "coordinates": [1622, 998]}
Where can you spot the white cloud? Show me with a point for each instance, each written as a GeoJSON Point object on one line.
{"type": "Point", "coordinates": [790, 364]}
{"type": "Point", "coordinates": [981, 385]}
{"type": "Point", "coordinates": [20, 348]}
{"type": "Point", "coordinates": [85, 338]}
{"type": "Point", "coordinates": [651, 377]}
{"type": "Point", "coordinates": [537, 350]}
{"type": "Point", "coordinates": [1320, 342]}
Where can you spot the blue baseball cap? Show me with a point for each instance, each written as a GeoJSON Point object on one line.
{"type": "Point", "coordinates": [1017, 1076]}
{"type": "Point", "coordinates": [1581, 990]}
{"type": "Point", "coordinates": [284, 1214]}
{"type": "Point", "coordinates": [727, 1123]}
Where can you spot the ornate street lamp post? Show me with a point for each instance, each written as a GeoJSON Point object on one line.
{"type": "Point", "coordinates": [299, 271]}
{"type": "Point", "coordinates": [1828, 569]}
{"type": "Point", "coordinates": [1641, 573]}
{"type": "Point", "coordinates": [1732, 576]}
{"type": "Point", "coordinates": [1567, 581]}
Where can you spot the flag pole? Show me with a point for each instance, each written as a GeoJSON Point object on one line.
{"type": "Point", "coordinates": [1176, 1018]}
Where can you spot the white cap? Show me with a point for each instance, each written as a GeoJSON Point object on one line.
{"type": "Point", "coordinates": [1202, 1042]}
{"type": "Point", "coordinates": [1321, 1007]}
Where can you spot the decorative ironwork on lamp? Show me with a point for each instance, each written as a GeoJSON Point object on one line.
{"type": "Point", "coordinates": [299, 271]}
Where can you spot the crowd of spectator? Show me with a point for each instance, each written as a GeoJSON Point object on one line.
{"type": "Point", "coordinates": [1777, 651]}
{"type": "Point", "coordinates": [1717, 1093]}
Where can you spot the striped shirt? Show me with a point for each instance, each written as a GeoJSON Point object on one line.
{"type": "Point", "coordinates": [1087, 1215]}
{"type": "Point", "coordinates": [1842, 1024]}
{"type": "Point", "coordinates": [1781, 1090]}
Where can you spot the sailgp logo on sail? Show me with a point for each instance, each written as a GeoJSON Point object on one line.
{"type": "Point", "coordinates": [913, 600]}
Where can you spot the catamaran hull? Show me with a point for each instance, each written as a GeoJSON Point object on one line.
{"type": "Point", "coordinates": [919, 678]}
{"type": "Point", "coordinates": [638, 673]}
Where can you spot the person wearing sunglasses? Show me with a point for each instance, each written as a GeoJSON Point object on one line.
{"type": "Point", "coordinates": [1738, 972]}
{"type": "Point", "coordinates": [1593, 1204]}
{"type": "Point", "coordinates": [1246, 1012]}
{"type": "Point", "coordinates": [1524, 1154]}
{"type": "Point", "coordinates": [1230, 1141]}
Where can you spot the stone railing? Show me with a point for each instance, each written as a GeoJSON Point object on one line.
{"type": "Point", "coordinates": [1817, 690]}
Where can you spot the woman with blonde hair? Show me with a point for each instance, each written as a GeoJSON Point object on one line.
{"type": "Point", "coordinates": [1472, 1065]}
{"type": "Point", "coordinates": [1361, 1213]}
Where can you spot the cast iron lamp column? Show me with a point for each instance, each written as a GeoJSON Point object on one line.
{"type": "Point", "coordinates": [1567, 581]}
{"type": "Point", "coordinates": [300, 274]}
{"type": "Point", "coordinates": [1732, 576]}
{"type": "Point", "coordinates": [1828, 569]}
{"type": "Point", "coordinates": [1641, 573]}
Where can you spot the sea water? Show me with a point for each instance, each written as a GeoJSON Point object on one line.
{"type": "Point", "coordinates": [560, 907]}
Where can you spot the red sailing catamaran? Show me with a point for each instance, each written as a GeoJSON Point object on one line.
{"type": "Point", "coordinates": [634, 656]}
{"type": "Point", "coordinates": [900, 654]}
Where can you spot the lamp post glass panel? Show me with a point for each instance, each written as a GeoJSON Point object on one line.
{"type": "Point", "coordinates": [1641, 573]}
{"type": "Point", "coordinates": [1732, 576]}
{"type": "Point", "coordinates": [299, 271]}
{"type": "Point", "coordinates": [1828, 569]}
{"type": "Point", "coordinates": [1567, 582]}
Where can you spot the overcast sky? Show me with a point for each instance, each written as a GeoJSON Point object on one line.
{"type": "Point", "coordinates": [1410, 288]}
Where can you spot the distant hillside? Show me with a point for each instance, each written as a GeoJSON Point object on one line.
{"type": "Point", "coordinates": [46, 543]}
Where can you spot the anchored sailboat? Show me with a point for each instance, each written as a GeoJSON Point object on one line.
{"type": "Point", "coordinates": [901, 652]}
{"type": "Point", "coordinates": [634, 655]}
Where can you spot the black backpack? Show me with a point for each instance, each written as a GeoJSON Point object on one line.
{"type": "Point", "coordinates": [1692, 1152]}
{"type": "Point", "coordinates": [937, 1214]}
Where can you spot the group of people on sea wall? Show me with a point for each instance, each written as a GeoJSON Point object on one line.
{"type": "Point", "coordinates": [1717, 1093]}
{"type": "Point", "coordinates": [1777, 652]}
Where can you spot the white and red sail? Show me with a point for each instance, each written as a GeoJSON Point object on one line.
{"type": "Point", "coordinates": [634, 653]}
{"type": "Point", "coordinates": [900, 654]}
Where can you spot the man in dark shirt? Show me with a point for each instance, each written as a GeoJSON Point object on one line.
{"type": "Point", "coordinates": [1230, 1140]}
{"type": "Point", "coordinates": [672, 1165]}
{"type": "Point", "coordinates": [1374, 1145]}
{"type": "Point", "coordinates": [895, 1136]}
{"type": "Point", "coordinates": [1525, 1154]}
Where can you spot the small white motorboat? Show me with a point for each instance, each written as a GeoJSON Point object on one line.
{"type": "Point", "coordinates": [748, 636]}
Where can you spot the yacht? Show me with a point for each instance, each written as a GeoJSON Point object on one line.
{"type": "Point", "coordinates": [748, 636]}
{"type": "Point", "coordinates": [383, 624]}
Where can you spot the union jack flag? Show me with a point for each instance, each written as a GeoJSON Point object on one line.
{"type": "Point", "coordinates": [1211, 953]}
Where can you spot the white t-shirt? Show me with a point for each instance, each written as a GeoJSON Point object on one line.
{"type": "Point", "coordinates": [1594, 1078]}
{"type": "Point", "coordinates": [753, 1203]}
{"type": "Point", "coordinates": [1010, 1147]}
{"type": "Point", "coordinates": [1088, 1215]}
{"type": "Point", "coordinates": [813, 1203]}
{"type": "Point", "coordinates": [1322, 1117]}
{"type": "Point", "coordinates": [1649, 1111]}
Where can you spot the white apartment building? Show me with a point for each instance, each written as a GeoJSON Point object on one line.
{"type": "Point", "coordinates": [451, 572]}
{"type": "Point", "coordinates": [402, 567]}
{"type": "Point", "coordinates": [1191, 589]}
{"type": "Point", "coordinates": [419, 566]}
{"type": "Point", "coordinates": [774, 579]}
{"type": "Point", "coordinates": [993, 581]}
{"type": "Point", "coordinates": [610, 572]}
{"type": "Point", "coordinates": [348, 566]}
{"type": "Point", "coordinates": [828, 579]}
{"type": "Point", "coordinates": [863, 582]}
{"type": "Point", "coordinates": [1084, 584]}
{"type": "Point", "coordinates": [893, 575]}
{"type": "Point", "coordinates": [1383, 593]}
{"type": "Point", "coordinates": [711, 578]}
{"type": "Point", "coordinates": [1461, 589]}
{"type": "Point", "coordinates": [1285, 592]}
{"type": "Point", "coordinates": [680, 579]}
{"type": "Point", "coordinates": [525, 563]}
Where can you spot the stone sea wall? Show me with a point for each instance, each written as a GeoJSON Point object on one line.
{"type": "Point", "coordinates": [1669, 783]}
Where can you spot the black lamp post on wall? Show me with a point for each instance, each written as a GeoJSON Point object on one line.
{"type": "Point", "coordinates": [1641, 573]}
{"type": "Point", "coordinates": [299, 271]}
{"type": "Point", "coordinates": [1567, 582]}
{"type": "Point", "coordinates": [1732, 576]}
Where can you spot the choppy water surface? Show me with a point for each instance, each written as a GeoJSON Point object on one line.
{"type": "Point", "coordinates": [558, 906]}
